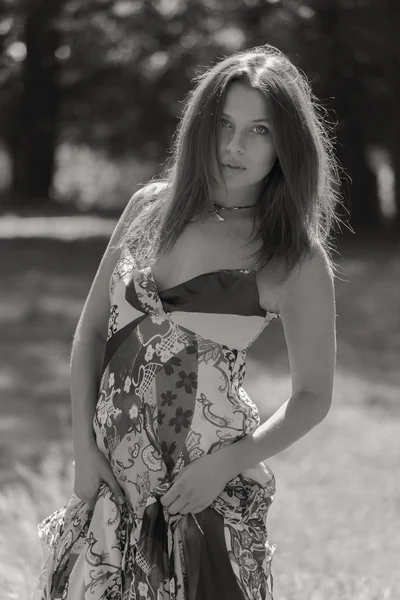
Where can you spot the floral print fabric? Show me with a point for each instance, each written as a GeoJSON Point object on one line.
{"type": "Point", "coordinates": [167, 396]}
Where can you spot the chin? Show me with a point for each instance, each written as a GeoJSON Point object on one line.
{"type": "Point", "coordinates": [237, 185]}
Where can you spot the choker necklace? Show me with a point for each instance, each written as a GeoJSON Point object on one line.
{"type": "Point", "coordinates": [218, 207]}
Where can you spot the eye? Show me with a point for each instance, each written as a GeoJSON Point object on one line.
{"type": "Point", "coordinates": [264, 130]}
{"type": "Point", "coordinates": [224, 122]}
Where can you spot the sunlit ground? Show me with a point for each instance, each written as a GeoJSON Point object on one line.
{"type": "Point", "coordinates": [336, 512]}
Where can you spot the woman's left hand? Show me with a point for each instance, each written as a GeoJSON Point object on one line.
{"type": "Point", "coordinates": [198, 484]}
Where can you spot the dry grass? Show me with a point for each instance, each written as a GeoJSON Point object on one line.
{"type": "Point", "coordinates": [335, 516]}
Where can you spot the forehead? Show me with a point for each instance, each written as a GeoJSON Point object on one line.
{"type": "Point", "coordinates": [241, 99]}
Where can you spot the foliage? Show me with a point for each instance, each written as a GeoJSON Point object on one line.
{"type": "Point", "coordinates": [125, 67]}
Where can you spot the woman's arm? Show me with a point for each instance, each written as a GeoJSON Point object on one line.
{"type": "Point", "coordinates": [307, 309]}
{"type": "Point", "coordinates": [90, 337]}
{"type": "Point", "coordinates": [85, 373]}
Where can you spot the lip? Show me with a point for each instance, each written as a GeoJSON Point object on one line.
{"type": "Point", "coordinates": [233, 166]}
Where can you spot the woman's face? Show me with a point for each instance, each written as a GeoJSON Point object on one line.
{"type": "Point", "coordinates": [244, 137]}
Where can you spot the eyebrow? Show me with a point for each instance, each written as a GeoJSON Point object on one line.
{"type": "Point", "coordinates": [253, 121]}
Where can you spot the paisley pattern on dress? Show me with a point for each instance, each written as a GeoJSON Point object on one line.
{"type": "Point", "coordinates": [171, 391]}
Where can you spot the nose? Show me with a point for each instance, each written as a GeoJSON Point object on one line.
{"type": "Point", "coordinates": [236, 143]}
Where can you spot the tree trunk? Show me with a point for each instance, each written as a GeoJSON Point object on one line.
{"type": "Point", "coordinates": [343, 82]}
{"type": "Point", "coordinates": [32, 134]}
{"type": "Point", "coordinates": [395, 148]}
{"type": "Point", "coordinates": [393, 74]}
{"type": "Point", "coordinates": [360, 193]}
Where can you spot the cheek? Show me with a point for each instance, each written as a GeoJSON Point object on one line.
{"type": "Point", "coordinates": [222, 141]}
{"type": "Point", "coordinates": [263, 158]}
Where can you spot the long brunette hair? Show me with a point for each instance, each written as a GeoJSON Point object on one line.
{"type": "Point", "coordinates": [296, 210]}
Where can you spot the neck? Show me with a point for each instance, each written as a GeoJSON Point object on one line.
{"type": "Point", "coordinates": [241, 216]}
{"type": "Point", "coordinates": [244, 212]}
{"type": "Point", "coordinates": [237, 197]}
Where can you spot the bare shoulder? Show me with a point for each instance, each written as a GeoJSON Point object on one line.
{"type": "Point", "coordinates": [309, 282]}
{"type": "Point", "coordinates": [137, 202]}
{"type": "Point", "coordinates": [152, 188]}
{"type": "Point", "coordinates": [145, 193]}
{"type": "Point", "coordinates": [312, 281]}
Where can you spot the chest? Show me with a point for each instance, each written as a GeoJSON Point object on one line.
{"type": "Point", "coordinates": [210, 247]}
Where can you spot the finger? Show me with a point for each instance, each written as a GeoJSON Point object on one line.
{"type": "Point", "coordinates": [169, 497]}
{"type": "Point", "coordinates": [114, 487]}
{"type": "Point", "coordinates": [191, 508]}
{"type": "Point", "coordinates": [180, 506]}
{"type": "Point", "coordinates": [197, 509]}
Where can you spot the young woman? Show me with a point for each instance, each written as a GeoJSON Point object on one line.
{"type": "Point", "coordinates": [161, 421]}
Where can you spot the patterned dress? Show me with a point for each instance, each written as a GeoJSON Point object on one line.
{"type": "Point", "coordinates": [170, 392]}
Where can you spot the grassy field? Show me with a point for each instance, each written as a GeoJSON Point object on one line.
{"type": "Point", "coordinates": [336, 512]}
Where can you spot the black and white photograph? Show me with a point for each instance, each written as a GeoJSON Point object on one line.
{"type": "Point", "coordinates": [199, 309]}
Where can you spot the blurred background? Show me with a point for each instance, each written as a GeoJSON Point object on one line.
{"type": "Point", "coordinates": [90, 95]}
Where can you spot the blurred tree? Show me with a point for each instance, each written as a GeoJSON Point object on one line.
{"type": "Point", "coordinates": [341, 53]}
{"type": "Point", "coordinates": [347, 74]}
{"type": "Point", "coordinates": [392, 72]}
{"type": "Point", "coordinates": [109, 73]}
{"type": "Point", "coordinates": [113, 74]}
{"type": "Point", "coordinates": [31, 131]}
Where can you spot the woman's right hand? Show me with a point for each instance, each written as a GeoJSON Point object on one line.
{"type": "Point", "coordinates": [91, 468]}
